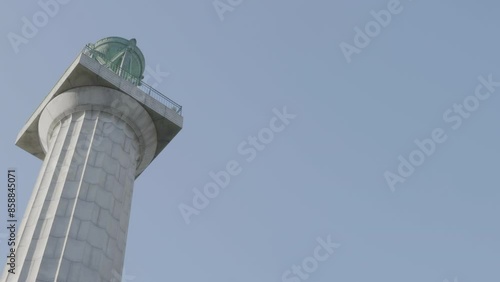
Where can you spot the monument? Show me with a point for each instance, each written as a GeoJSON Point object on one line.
{"type": "Point", "coordinates": [97, 130]}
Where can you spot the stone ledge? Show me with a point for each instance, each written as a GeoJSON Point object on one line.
{"type": "Point", "coordinates": [85, 71]}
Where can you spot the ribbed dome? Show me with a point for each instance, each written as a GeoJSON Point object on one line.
{"type": "Point", "coordinates": [120, 53]}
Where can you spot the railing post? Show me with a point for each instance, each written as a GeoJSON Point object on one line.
{"type": "Point", "coordinates": [90, 51]}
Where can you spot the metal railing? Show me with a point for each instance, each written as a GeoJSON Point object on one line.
{"type": "Point", "coordinates": [144, 87]}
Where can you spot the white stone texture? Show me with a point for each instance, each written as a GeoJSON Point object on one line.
{"type": "Point", "coordinates": [96, 141]}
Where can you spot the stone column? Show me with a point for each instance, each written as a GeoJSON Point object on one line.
{"type": "Point", "coordinates": [75, 226]}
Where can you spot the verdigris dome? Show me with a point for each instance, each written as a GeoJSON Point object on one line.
{"type": "Point", "coordinates": [120, 55]}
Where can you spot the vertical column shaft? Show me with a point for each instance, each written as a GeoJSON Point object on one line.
{"type": "Point", "coordinates": [76, 223]}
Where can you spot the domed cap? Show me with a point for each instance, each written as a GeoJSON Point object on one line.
{"type": "Point", "coordinates": [120, 54]}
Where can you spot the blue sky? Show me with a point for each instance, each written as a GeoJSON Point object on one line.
{"type": "Point", "coordinates": [323, 175]}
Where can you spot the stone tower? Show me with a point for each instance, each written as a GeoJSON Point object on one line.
{"type": "Point", "coordinates": [97, 130]}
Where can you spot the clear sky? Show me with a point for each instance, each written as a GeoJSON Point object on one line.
{"type": "Point", "coordinates": [324, 174]}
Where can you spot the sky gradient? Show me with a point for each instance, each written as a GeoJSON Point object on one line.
{"type": "Point", "coordinates": [325, 173]}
